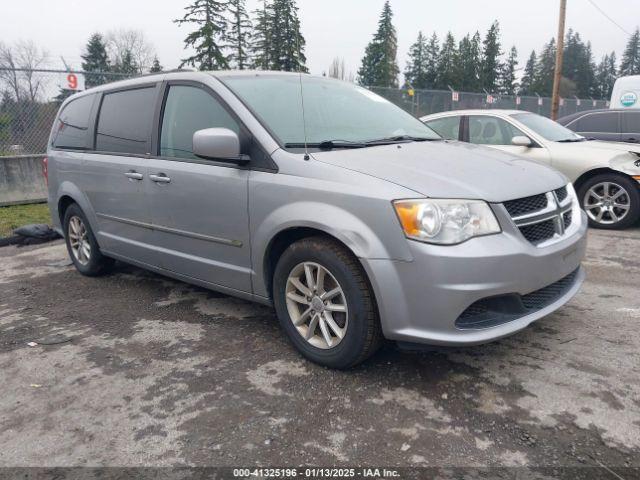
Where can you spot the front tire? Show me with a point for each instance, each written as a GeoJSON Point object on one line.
{"type": "Point", "coordinates": [82, 245]}
{"type": "Point", "coordinates": [611, 201]}
{"type": "Point", "coordinates": [325, 304]}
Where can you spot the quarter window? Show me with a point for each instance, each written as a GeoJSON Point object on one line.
{"type": "Point", "coordinates": [599, 123]}
{"type": "Point", "coordinates": [485, 130]}
{"type": "Point", "coordinates": [125, 121]}
{"type": "Point", "coordinates": [187, 110]}
{"type": "Point", "coordinates": [447, 127]}
{"type": "Point", "coordinates": [73, 123]}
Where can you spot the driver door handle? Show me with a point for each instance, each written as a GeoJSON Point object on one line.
{"type": "Point", "coordinates": [160, 178]}
{"type": "Point", "coordinates": [133, 175]}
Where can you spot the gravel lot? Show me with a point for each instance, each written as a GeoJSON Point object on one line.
{"type": "Point", "coordinates": [156, 372]}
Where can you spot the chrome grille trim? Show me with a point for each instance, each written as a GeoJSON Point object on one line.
{"type": "Point", "coordinates": [558, 209]}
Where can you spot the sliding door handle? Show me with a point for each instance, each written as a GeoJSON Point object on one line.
{"type": "Point", "coordinates": [132, 175]}
{"type": "Point", "coordinates": [160, 178]}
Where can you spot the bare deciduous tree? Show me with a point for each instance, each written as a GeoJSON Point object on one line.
{"type": "Point", "coordinates": [19, 62]}
{"type": "Point", "coordinates": [123, 43]}
{"type": "Point", "coordinates": [338, 70]}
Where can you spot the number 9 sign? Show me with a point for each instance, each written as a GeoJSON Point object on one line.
{"type": "Point", "coordinates": [73, 81]}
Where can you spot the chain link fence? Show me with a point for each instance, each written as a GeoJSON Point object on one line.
{"type": "Point", "coordinates": [29, 100]}
{"type": "Point", "coordinates": [425, 102]}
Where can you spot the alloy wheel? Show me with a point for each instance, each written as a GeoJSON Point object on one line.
{"type": "Point", "coordinates": [317, 305]}
{"type": "Point", "coordinates": [607, 203]}
{"type": "Point", "coordinates": [79, 240]}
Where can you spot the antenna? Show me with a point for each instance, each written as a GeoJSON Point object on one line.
{"type": "Point", "coordinates": [304, 119]}
{"type": "Point", "coordinates": [307, 157]}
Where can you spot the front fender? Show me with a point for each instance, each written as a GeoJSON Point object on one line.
{"type": "Point", "coordinates": [345, 226]}
{"type": "Point", "coordinates": [627, 163]}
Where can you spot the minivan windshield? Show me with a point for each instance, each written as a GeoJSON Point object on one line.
{"type": "Point", "coordinates": [547, 128]}
{"type": "Point", "coordinates": [337, 114]}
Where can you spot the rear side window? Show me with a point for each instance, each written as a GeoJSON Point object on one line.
{"type": "Point", "coordinates": [631, 122]}
{"type": "Point", "coordinates": [599, 123]}
{"type": "Point", "coordinates": [73, 124]}
{"type": "Point", "coordinates": [448, 127]}
{"type": "Point", "coordinates": [125, 119]}
{"type": "Point", "coordinates": [187, 110]}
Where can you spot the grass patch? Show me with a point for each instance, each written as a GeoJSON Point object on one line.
{"type": "Point", "coordinates": [18, 215]}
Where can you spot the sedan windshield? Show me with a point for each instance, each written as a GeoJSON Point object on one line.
{"type": "Point", "coordinates": [546, 128]}
{"type": "Point", "coordinates": [336, 114]}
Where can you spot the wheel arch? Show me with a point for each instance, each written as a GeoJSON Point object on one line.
{"type": "Point", "coordinates": [68, 194]}
{"type": "Point", "coordinates": [586, 176]}
{"type": "Point", "coordinates": [286, 237]}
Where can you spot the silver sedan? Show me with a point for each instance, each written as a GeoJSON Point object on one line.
{"type": "Point", "coordinates": [606, 175]}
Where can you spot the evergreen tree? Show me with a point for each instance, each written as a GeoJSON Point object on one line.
{"type": "Point", "coordinates": [95, 59]}
{"type": "Point", "coordinates": [379, 65]}
{"type": "Point", "coordinates": [417, 68]}
{"type": "Point", "coordinates": [448, 72]}
{"type": "Point", "coordinates": [261, 36]}
{"type": "Point", "coordinates": [155, 66]}
{"type": "Point", "coordinates": [469, 62]}
{"type": "Point", "coordinates": [578, 65]}
{"type": "Point", "coordinates": [543, 80]}
{"type": "Point", "coordinates": [631, 59]}
{"type": "Point", "coordinates": [606, 74]}
{"type": "Point", "coordinates": [432, 57]}
{"type": "Point", "coordinates": [491, 58]}
{"type": "Point", "coordinates": [208, 38]}
{"type": "Point", "coordinates": [239, 34]}
{"type": "Point", "coordinates": [529, 75]}
{"type": "Point", "coordinates": [286, 41]}
{"type": "Point", "coordinates": [508, 80]}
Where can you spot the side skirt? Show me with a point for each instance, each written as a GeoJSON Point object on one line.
{"type": "Point", "coordinates": [194, 281]}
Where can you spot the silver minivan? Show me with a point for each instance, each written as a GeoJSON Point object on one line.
{"type": "Point", "coordinates": [353, 219]}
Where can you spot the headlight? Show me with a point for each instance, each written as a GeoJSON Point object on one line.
{"type": "Point", "coordinates": [445, 222]}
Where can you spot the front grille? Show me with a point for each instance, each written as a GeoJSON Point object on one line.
{"type": "Point", "coordinates": [494, 311]}
{"type": "Point", "coordinates": [562, 194]}
{"type": "Point", "coordinates": [526, 205]}
{"type": "Point", "coordinates": [539, 232]}
{"type": "Point", "coordinates": [541, 218]}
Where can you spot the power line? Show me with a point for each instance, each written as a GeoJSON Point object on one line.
{"type": "Point", "coordinates": [608, 17]}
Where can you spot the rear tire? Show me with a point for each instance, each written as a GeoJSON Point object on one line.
{"type": "Point", "coordinates": [317, 278]}
{"type": "Point", "coordinates": [612, 201]}
{"type": "Point", "coordinates": [82, 245]}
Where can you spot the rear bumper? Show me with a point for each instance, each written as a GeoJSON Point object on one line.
{"type": "Point", "coordinates": [420, 301]}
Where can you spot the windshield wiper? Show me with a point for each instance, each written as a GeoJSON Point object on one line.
{"type": "Point", "coordinates": [331, 144]}
{"type": "Point", "coordinates": [328, 144]}
{"type": "Point", "coordinates": [572, 140]}
{"type": "Point", "coordinates": [401, 138]}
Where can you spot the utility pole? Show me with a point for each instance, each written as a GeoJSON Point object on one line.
{"type": "Point", "coordinates": [557, 77]}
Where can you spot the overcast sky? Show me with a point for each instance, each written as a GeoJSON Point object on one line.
{"type": "Point", "coordinates": [333, 28]}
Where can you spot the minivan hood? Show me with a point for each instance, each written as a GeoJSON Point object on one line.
{"type": "Point", "coordinates": [450, 170]}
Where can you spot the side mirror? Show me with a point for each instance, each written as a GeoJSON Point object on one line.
{"type": "Point", "coordinates": [521, 141]}
{"type": "Point", "coordinates": [219, 144]}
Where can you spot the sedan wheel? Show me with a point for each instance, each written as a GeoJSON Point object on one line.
{"type": "Point", "coordinates": [317, 305]}
{"type": "Point", "coordinates": [607, 203]}
{"type": "Point", "coordinates": [611, 201]}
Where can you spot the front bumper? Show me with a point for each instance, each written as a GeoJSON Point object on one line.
{"type": "Point", "coordinates": [420, 301]}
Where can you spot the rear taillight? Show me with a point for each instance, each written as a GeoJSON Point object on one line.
{"type": "Point", "coordinates": [45, 169]}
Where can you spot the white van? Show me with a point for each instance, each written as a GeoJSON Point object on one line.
{"type": "Point", "coordinates": [626, 92]}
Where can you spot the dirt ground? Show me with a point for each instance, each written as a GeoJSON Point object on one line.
{"type": "Point", "coordinates": [146, 371]}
